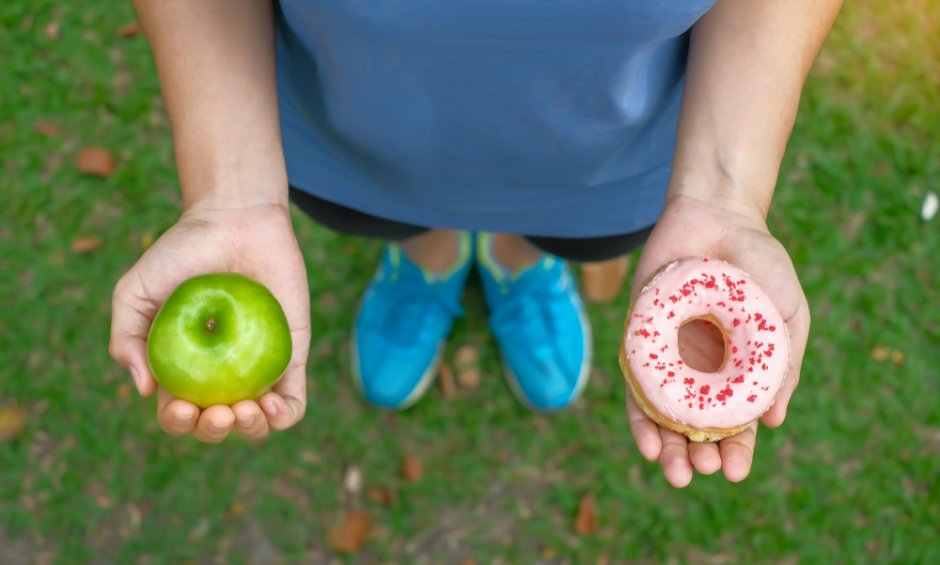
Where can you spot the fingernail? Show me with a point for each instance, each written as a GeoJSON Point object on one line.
{"type": "Point", "coordinates": [246, 422]}
{"type": "Point", "coordinates": [136, 376]}
{"type": "Point", "coordinates": [271, 408]}
{"type": "Point", "coordinates": [217, 429]}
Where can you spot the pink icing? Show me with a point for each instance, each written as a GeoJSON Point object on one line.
{"type": "Point", "coordinates": [757, 347]}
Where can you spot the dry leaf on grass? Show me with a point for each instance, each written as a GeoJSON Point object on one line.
{"type": "Point", "coordinates": [48, 129]}
{"type": "Point", "coordinates": [352, 480]}
{"type": "Point", "coordinates": [85, 244]}
{"type": "Point", "coordinates": [12, 422]}
{"type": "Point", "coordinates": [446, 377]}
{"type": "Point", "coordinates": [52, 30]}
{"type": "Point", "coordinates": [469, 378]}
{"type": "Point", "coordinates": [586, 521]}
{"type": "Point", "coordinates": [98, 493]}
{"type": "Point", "coordinates": [310, 457]}
{"type": "Point", "coordinates": [129, 30]}
{"type": "Point", "coordinates": [897, 357]}
{"type": "Point", "coordinates": [349, 535]}
{"type": "Point", "coordinates": [411, 469]}
{"type": "Point", "coordinates": [96, 161]}
{"type": "Point", "coordinates": [467, 354]}
{"type": "Point", "coordinates": [466, 362]}
{"type": "Point", "coordinates": [237, 509]}
{"type": "Point", "coordinates": [381, 495]}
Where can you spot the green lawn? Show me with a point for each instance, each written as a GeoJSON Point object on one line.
{"type": "Point", "coordinates": [852, 477]}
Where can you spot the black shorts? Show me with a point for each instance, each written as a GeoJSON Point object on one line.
{"type": "Point", "coordinates": [353, 222]}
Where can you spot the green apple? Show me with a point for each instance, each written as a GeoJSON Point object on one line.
{"type": "Point", "coordinates": [218, 339]}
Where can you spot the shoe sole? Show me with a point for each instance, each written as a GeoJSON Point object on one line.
{"type": "Point", "coordinates": [424, 383]}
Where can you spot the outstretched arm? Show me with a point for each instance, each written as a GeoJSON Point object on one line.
{"type": "Point", "coordinates": [747, 65]}
{"type": "Point", "coordinates": [215, 59]}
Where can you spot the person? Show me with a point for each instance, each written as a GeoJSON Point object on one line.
{"type": "Point", "coordinates": [511, 136]}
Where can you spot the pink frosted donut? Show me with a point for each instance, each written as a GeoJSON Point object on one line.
{"type": "Point", "coordinates": [704, 406]}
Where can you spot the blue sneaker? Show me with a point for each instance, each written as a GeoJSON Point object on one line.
{"type": "Point", "coordinates": [404, 318]}
{"type": "Point", "coordinates": [541, 328]}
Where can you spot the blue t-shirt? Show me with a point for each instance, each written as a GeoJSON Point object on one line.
{"type": "Point", "coordinates": [537, 117]}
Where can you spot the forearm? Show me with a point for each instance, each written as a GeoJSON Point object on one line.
{"type": "Point", "coordinates": [748, 61]}
{"type": "Point", "coordinates": [215, 60]}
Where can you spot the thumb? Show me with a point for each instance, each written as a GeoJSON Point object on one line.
{"type": "Point", "coordinates": [131, 315]}
{"type": "Point", "coordinates": [286, 404]}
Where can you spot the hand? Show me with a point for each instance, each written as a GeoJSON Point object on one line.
{"type": "Point", "coordinates": [695, 228]}
{"type": "Point", "coordinates": [213, 235]}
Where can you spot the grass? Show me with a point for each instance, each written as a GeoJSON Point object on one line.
{"type": "Point", "coordinates": [852, 477]}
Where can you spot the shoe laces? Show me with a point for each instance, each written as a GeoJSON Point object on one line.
{"type": "Point", "coordinates": [413, 305]}
{"type": "Point", "coordinates": [530, 312]}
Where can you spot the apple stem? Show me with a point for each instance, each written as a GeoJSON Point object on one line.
{"type": "Point", "coordinates": [210, 325]}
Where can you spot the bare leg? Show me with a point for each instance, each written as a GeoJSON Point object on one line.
{"type": "Point", "coordinates": [514, 252]}
{"type": "Point", "coordinates": [435, 250]}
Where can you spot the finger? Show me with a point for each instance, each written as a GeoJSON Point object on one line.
{"type": "Point", "coordinates": [705, 457]}
{"type": "Point", "coordinates": [737, 454]}
{"type": "Point", "coordinates": [645, 432]}
{"type": "Point", "coordinates": [130, 323]}
{"type": "Point", "coordinates": [282, 412]}
{"type": "Point", "coordinates": [214, 424]}
{"type": "Point", "coordinates": [176, 417]}
{"type": "Point", "coordinates": [674, 459]}
{"type": "Point", "coordinates": [286, 403]}
{"type": "Point", "coordinates": [798, 328]}
{"type": "Point", "coordinates": [250, 421]}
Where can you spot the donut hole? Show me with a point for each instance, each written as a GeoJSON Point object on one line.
{"type": "Point", "coordinates": [702, 345]}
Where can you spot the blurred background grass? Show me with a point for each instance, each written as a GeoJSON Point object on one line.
{"type": "Point", "coordinates": [852, 477]}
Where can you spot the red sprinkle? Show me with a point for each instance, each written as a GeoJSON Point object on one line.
{"type": "Point", "coordinates": [752, 398]}
{"type": "Point", "coordinates": [705, 389]}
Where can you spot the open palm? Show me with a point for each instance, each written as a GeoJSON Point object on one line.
{"type": "Point", "coordinates": [695, 228]}
{"type": "Point", "coordinates": [256, 241]}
